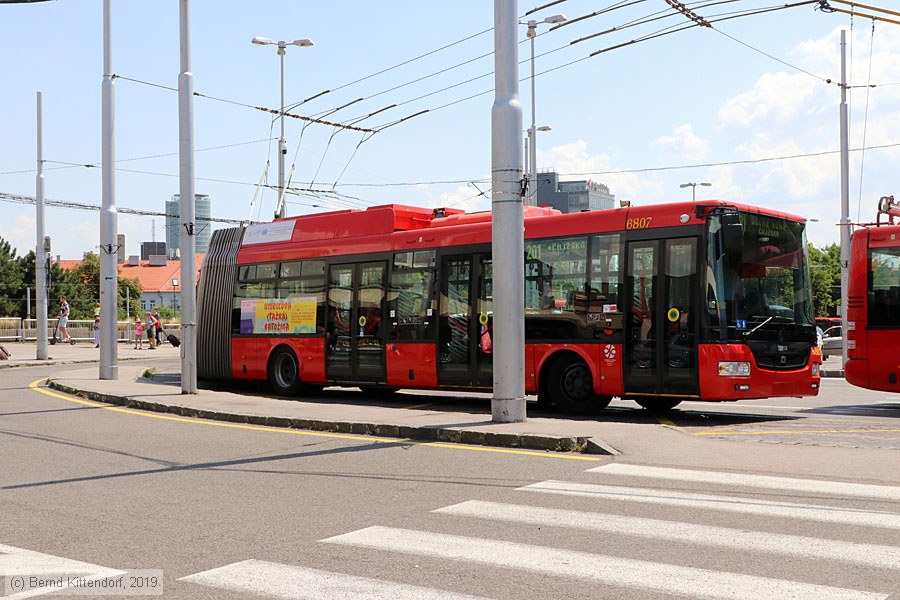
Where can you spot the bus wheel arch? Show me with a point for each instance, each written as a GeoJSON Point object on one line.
{"type": "Point", "coordinates": [283, 370]}
{"type": "Point", "coordinates": [567, 381]}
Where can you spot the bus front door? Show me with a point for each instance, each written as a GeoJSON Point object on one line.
{"type": "Point", "coordinates": [660, 354]}
{"type": "Point", "coordinates": [465, 338]}
{"type": "Point", "coordinates": [355, 340]}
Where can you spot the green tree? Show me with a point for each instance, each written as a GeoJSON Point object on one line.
{"type": "Point", "coordinates": [12, 292]}
{"type": "Point", "coordinates": [81, 287]}
{"type": "Point", "coordinates": [825, 272]}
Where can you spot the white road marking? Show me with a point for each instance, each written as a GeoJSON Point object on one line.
{"type": "Point", "coordinates": [871, 555]}
{"type": "Point", "coordinates": [636, 574]}
{"type": "Point", "coordinates": [807, 486]}
{"type": "Point", "coordinates": [299, 583]}
{"type": "Point", "coordinates": [19, 562]}
{"type": "Point", "coordinates": [826, 514]}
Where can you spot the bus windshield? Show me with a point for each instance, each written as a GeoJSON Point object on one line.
{"type": "Point", "coordinates": [757, 276]}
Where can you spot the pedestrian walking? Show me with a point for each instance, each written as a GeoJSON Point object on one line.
{"type": "Point", "coordinates": [138, 333]}
{"type": "Point", "coordinates": [62, 320]}
{"type": "Point", "coordinates": [97, 326]}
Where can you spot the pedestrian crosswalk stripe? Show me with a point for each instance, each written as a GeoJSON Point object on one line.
{"type": "Point", "coordinates": [871, 555]}
{"type": "Point", "coordinates": [299, 583]}
{"type": "Point", "coordinates": [827, 514]}
{"type": "Point", "coordinates": [810, 486]}
{"type": "Point", "coordinates": [623, 572]}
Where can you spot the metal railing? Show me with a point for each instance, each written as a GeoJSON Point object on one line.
{"type": "Point", "coordinates": [25, 330]}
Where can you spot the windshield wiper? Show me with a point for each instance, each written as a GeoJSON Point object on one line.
{"type": "Point", "coordinates": [752, 331]}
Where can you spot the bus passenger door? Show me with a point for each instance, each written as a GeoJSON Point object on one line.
{"type": "Point", "coordinates": [484, 348]}
{"type": "Point", "coordinates": [661, 327]}
{"type": "Point", "coordinates": [465, 336]}
{"type": "Point", "coordinates": [355, 329]}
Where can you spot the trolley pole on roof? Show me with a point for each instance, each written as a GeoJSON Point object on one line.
{"type": "Point", "coordinates": [508, 226]}
{"type": "Point", "coordinates": [186, 189]}
{"type": "Point", "coordinates": [845, 200]}
{"type": "Point", "coordinates": [109, 251]}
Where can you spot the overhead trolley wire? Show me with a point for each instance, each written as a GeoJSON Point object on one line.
{"type": "Point", "coordinates": [824, 6]}
{"type": "Point", "coordinates": [245, 105]}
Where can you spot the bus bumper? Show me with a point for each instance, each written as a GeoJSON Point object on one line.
{"type": "Point", "coordinates": [760, 383]}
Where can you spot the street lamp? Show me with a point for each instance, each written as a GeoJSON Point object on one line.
{"type": "Point", "coordinates": [532, 131]}
{"type": "Point", "coordinates": [531, 159]}
{"type": "Point", "coordinates": [693, 187]}
{"type": "Point", "coordinates": [282, 145]}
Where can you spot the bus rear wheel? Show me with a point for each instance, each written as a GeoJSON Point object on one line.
{"type": "Point", "coordinates": [570, 387]}
{"type": "Point", "coordinates": [658, 403]}
{"type": "Point", "coordinates": [284, 372]}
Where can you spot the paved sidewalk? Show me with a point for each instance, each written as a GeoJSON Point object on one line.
{"type": "Point", "coordinates": [23, 354]}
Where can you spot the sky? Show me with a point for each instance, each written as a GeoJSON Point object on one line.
{"type": "Point", "coordinates": [745, 105]}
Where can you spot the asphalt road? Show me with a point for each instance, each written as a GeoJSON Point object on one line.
{"type": "Point", "coordinates": [230, 512]}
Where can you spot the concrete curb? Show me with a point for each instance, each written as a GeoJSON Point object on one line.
{"type": "Point", "coordinates": [6, 364]}
{"type": "Point", "coordinates": [401, 432]}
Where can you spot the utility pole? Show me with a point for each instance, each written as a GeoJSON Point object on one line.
{"type": "Point", "coordinates": [187, 191]}
{"type": "Point", "coordinates": [109, 268]}
{"type": "Point", "coordinates": [845, 198]}
{"type": "Point", "coordinates": [40, 252]}
{"type": "Point", "coordinates": [508, 225]}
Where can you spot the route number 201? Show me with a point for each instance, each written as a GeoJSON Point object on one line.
{"type": "Point", "coordinates": [638, 223]}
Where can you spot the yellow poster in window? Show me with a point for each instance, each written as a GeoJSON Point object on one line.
{"type": "Point", "coordinates": [302, 315]}
{"type": "Point", "coordinates": [295, 314]}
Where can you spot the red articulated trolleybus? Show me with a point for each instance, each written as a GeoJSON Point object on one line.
{"type": "Point", "coordinates": [657, 304]}
{"type": "Point", "coordinates": [873, 303]}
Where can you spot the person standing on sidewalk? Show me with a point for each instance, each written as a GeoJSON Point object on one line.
{"type": "Point", "coordinates": [151, 330]}
{"type": "Point", "coordinates": [157, 322]}
{"type": "Point", "coordinates": [63, 320]}
{"type": "Point", "coordinates": [97, 326]}
{"type": "Point", "coordinates": [138, 333]}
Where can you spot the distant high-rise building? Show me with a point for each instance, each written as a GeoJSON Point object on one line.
{"type": "Point", "coordinates": [572, 196]}
{"type": "Point", "coordinates": [201, 219]}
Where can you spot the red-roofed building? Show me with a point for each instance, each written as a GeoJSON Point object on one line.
{"type": "Point", "coordinates": [160, 280]}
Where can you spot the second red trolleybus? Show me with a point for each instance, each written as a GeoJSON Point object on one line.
{"type": "Point", "coordinates": [873, 303]}
{"type": "Point", "coordinates": [657, 304]}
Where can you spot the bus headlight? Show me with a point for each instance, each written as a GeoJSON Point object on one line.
{"type": "Point", "coordinates": [734, 369]}
{"type": "Point", "coordinates": [815, 368]}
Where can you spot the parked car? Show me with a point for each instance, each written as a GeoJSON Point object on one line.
{"type": "Point", "coordinates": [826, 322]}
{"type": "Point", "coordinates": [832, 342]}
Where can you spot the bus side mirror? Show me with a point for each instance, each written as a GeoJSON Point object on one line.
{"type": "Point", "coordinates": [732, 233]}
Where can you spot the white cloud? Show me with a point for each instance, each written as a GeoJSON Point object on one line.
{"type": "Point", "coordinates": [777, 98]}
{"type": "Point", "coordinates": [685, 144]}
{"type": "Point", "coordinates": [19, 233]}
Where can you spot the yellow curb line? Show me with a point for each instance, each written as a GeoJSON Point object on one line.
{"type": "Point", "coordinates": [34, 386]}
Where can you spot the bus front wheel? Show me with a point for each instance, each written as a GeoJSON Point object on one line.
{"type": "Point", "coordinates": [284, 372]}
{"type": "Point", "coordinates": [658, 403]}
{"type": "Point", "coordinates": [570, 387]}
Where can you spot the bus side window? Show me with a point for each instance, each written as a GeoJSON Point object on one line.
{"type": "Point", "coordinates": [604, 300]}
{"type": "Point", "coordinates": [410, 296]}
